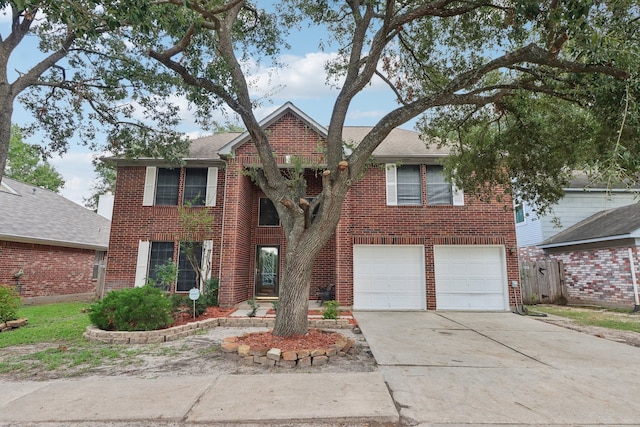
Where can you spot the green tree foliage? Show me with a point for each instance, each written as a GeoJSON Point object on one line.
{"type": "Point", "coordinates": [465, 67]}
{"type": "Point", "coordinates": [24, 163]}
{"type": "Point", "coordinates": [105, 183]}
{"type": "Point", "coordinates": [83, 79]}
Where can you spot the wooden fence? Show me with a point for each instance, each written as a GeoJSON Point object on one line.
{"type": "Point", "coordinates": [543, 282]}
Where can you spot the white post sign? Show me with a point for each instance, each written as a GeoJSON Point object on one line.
{"type": "Point", "coordinates": [194, 294]}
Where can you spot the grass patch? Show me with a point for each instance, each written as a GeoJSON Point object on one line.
{"type": "Point", "coordinates": [55, 333]}
{"type": "Point", "coordinates": [52, 346]}
{"type": "Point", "coordinates": [51, 323]}
{"type": "Point", "coordinates": [604, 318]}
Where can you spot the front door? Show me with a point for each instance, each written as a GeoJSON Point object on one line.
{"type": "Point", "coordinates": [267, 271]}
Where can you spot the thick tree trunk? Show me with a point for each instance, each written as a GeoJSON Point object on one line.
{"type": "Point", "coordinates": [6, 111]}
{"type": "Point", "coordinates": [291, 317]}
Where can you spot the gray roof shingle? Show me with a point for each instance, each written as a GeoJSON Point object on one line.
{"type": "Point", "coordinates": [36, 215]}
{"type": "Point", "coordinates": [399, 144]}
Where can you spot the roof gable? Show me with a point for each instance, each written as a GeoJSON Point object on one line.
{"type": "Point", "coordinates": [287, 108]}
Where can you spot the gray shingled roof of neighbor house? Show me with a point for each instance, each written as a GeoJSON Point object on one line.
{"type": "Point", "coordinates": [612, 224]}
{"type": "Point", "coordinates": [36, 215]}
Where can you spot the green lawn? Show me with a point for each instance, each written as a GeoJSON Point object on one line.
{"type": "Point", "coordinates": [51, 323]}
{"type": "Point", "coordinates": [52, 344]}
{"type": "Point", "coordinates": [605, 318]}
{"type": "Point", "coordinates": [58, 328]}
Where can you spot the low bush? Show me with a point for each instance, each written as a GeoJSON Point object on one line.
{"type": "Point", "coordinates": [331, 310]}
{"type": "Point", "coordinates": [10, 302]}
{"type": "Point", "coordinates": [134, 309]}
{"type": "Point", "coordinates": [182, 302]}
{"type": "Point", "coordinates": [210, 294]}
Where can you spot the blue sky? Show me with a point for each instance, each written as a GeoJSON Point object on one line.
{"type": "Point", "coordinates": [302, 82]}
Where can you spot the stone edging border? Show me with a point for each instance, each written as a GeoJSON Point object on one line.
{"type": "Point", "coordinates": [95, 334]}
{"type": "Point", "coordinates": [233, 350]}
{"type": "Point", "coordinates": [12, 324]}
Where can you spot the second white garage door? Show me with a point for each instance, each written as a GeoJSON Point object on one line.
{"type": "Point", "coordinates": [470, 278]}
{"type": "Point", "coordinates": [388, 277]}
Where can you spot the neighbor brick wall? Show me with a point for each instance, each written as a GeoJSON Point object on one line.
{"type": "Point", "coordinates": [531, 253]}
{"type": "Point", "coordinates": [48, 270]}
{"type": "Point", "coordinates": [599, 276]}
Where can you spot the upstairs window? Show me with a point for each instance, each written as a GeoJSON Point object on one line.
{"type": "Point", "coordinates": [162, 186]}
{"type": "Point", "coordinates": [195, 187]}
{"type": "Point", "coordinates": [519, 213]}
{"type": "Point", "coordinates": [167, 186]}
{"type": "Point", "coordinates": [404, 185]}
{"type": "Point", "coordinates": [267, 213]}
{"type": "Point", "coordinates": [439, 191]}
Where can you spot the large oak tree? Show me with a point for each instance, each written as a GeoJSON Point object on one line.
{"type": "Point", "coordinates": [63, 60]}
{"type": "Point", "coordinates": [510, 82]}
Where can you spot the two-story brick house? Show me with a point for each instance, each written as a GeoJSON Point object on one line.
{"type": "Point", "coordinates": [406, 240]}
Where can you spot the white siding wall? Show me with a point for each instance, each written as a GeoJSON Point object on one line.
{"type": "Point", "coordinates": [529, 233]}
{"type": "Point", "coordinates": [578, 205]}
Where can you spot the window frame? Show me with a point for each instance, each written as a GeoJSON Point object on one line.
{"type": "Point", "coordinates": [186, 273]}
{"type": "Point", "coordinates": [519, 206]}
{"type": "Point", "coordinates": [438, 185]}
{"type": "Point", "coordinates": [199, 199]}
{"type": "Point", "coordinates": [394, 196]}
{"type": "Point", "coordinates": [260, 210]}
{"type": "Point", "coordinates": [161, 189]}
{"type": "Point", "coordinates": [210, 188]}
{"type": "Point", "coordinates": [151, 274]}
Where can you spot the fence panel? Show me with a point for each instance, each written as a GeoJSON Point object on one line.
{"type": "Point", "coordinates": [543, 282]}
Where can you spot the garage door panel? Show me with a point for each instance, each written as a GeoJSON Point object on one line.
{"type": "Point", "coordinates": [388, 277]}
{"type": "Point", "coordinates": [470, 278]}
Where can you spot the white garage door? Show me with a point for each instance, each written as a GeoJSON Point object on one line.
{"type": "Point", "coordinates": [388, 277]}
{"type": "Point", "coordinates": [470, 278]}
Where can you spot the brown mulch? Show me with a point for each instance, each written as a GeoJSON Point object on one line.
{"type": "Point", "coordinates": [315, 339]}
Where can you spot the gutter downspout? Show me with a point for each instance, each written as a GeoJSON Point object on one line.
{"type": "Point", "coordinates": [635, 283]}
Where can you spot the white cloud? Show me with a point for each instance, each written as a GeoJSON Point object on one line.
{"type": "Point", "coordinates": [77, 170]}
{"type": "Point", "coordinates": [301, 77]}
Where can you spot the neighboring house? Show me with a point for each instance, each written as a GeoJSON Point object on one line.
{"type": "Point", "coordinates": [600, 256]}
{"type": "Point", "coordinates": [580, 201]}
{"type": "Point", "coordinates": [50, 247]}
{"type": "Point", "coordinates": [596, 272]}
{"type": "Point", "coordinates": [407, 240]}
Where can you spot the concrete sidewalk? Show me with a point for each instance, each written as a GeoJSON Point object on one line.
{"type": "Point", "coordinates": [354, 399]}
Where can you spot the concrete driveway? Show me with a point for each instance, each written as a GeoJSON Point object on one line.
{"type": "Point", "coordinates": [456, 368]}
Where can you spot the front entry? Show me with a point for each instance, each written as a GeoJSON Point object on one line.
{"type": "Point", "coordinates": [267, 271]}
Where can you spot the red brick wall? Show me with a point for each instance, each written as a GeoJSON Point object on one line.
{"type": "Point", "coordinates": [48, 270]}
{"type": "Point", "coordinates": [133, 222]}
{"type": "Point", "coordinates": [596, 276]}
{"type": "Point", "coordinates": [365, 220]}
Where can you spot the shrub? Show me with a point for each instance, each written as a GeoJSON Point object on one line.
{"type": "Point", "coordinates": [136, 309]}
{"type": "Point", "coordinates": [210, 294]}
{"type": "Point", "coordinates": [9, 304]}
{"type": "Point", "coordinates": [181, 302]}
{"type": "Point", "coordinates": [331, 310]}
